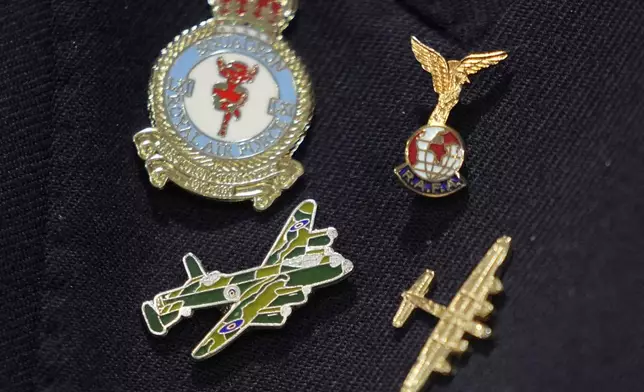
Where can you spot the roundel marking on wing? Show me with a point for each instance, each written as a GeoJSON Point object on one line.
{"type": "Point", "coordinates": [298, 225]}
{"type": "Point", "coordinates": [231, 327]}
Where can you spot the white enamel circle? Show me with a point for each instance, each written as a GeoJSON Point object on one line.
{"type": "Point", "coordinates": [232, 293]}
{"type": "Point", "coordinates": [436, 153]}
{"type": "Point", "coordinates": [254, 113]}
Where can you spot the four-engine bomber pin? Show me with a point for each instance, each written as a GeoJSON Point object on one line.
{"type": "Point", "coordinates": [300, 261]}
{"type": "Point", "coordinates": [435, 153]}
{"type": "Point", "coordinates": [462, 316]}
{"type": "Point", "coordinates": [229, 104]}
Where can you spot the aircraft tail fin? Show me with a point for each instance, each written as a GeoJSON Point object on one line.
{"type": "Point", "coordinates": [420, 288]}
{"type": "Point", "coordinates": [193, 266]}
{"type": "Point", "coordinates": [156, 324]}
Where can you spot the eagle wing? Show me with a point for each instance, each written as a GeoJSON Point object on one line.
{"type": "Point", "coordinates": [433, 63]}
{"type": "Point", "coordinates": [473, 63]}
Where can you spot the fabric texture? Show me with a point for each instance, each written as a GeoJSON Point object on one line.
{"type": "Point", "coordinates": [26, 112]}
{"type": "Point", "coordinates": [555, 158]}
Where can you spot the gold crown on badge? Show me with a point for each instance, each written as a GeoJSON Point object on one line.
{"type": "Point", "coordinates": [271, 16]}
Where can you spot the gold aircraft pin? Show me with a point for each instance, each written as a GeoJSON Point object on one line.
{"type": "Point", "coordinates": [457, 319]}
{"type": "Point", "coordinates": [435, 153]}
{"type": "Point", "coordinates": [229, 104]}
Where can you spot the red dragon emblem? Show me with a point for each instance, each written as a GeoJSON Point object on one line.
{"type": "Point", "coordinates": [229, 97]}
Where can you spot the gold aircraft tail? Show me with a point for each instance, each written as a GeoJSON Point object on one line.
{"type": "Point", "coordinates": [420, 288]}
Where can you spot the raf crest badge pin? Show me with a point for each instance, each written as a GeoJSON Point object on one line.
{"type": "Point", "coordinates": [300, 261]}
{"type": "Point", "coordinates": [435, 153]}
{"type": "Point", "coordinates": [229, 104]}
{"type": "Point", "coordinates": [455, 320]}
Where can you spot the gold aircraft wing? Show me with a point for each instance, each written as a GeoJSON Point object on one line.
{"type": "Point", "coordinates": [471, 301]}
{"type": "Point", "coordinates": [433, 356]}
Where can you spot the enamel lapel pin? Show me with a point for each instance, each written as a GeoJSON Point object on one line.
{"type": "Point", "coordinates": [435, 153]}
{"type": "Point", "coordinates": [455, 320]}
{"type": "Point", "coordinates": [300, 261]}
{"type": "Point", "coordinates": [229, 103]}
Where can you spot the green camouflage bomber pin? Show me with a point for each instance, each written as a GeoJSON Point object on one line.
{"type": "Point", "coordinates": [300, 260]}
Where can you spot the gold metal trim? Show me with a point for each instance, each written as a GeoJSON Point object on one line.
{"type": "Point", "coordinates": [260, 178]}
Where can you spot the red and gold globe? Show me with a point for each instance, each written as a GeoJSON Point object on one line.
{"type": "Point", "coordinates": [435, 153]}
